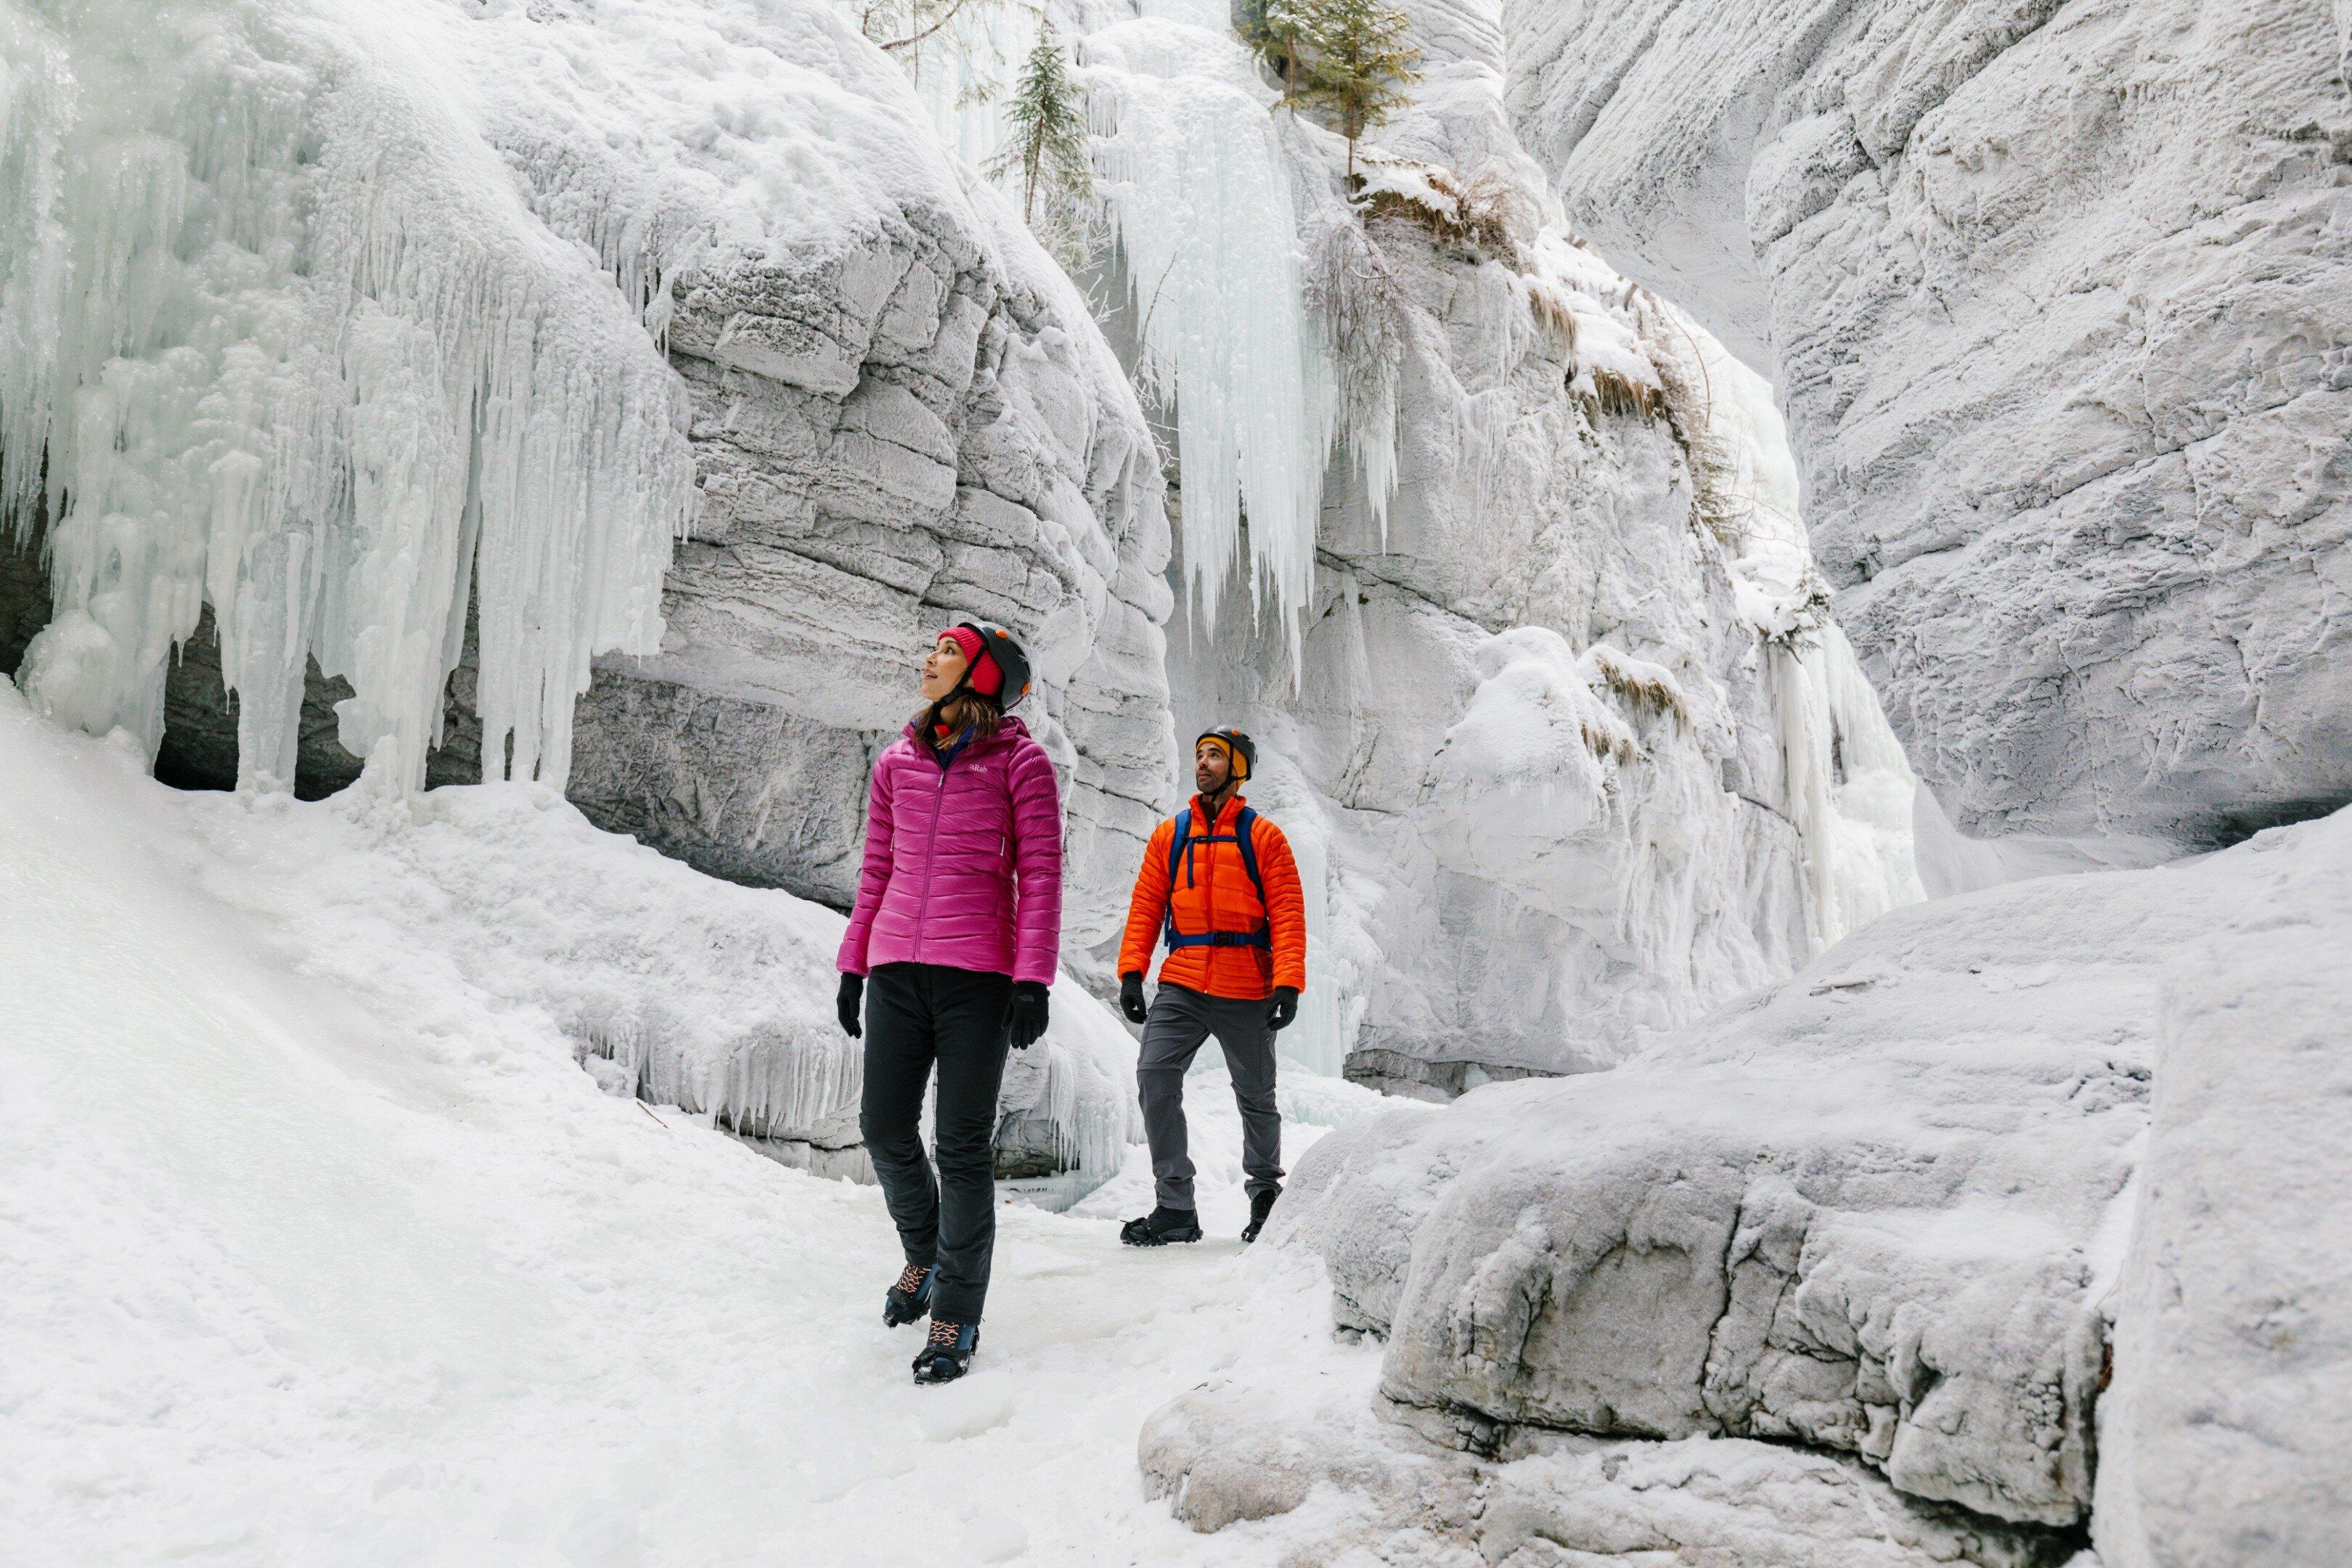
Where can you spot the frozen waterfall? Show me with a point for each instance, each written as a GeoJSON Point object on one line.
{"type": "Point", "coordinates": [1199, 186]}
{"type": "Point", "coordinates": [283, 341]}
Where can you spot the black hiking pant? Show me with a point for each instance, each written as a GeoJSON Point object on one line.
{"type": "Point", "coordinates": [918, 1015]}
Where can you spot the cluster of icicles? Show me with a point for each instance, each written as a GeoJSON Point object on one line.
{"type": "Point", "coordinates": [280, 339]}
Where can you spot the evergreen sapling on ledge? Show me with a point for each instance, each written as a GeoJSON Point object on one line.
{"type": "Point", "coordinates": [1046, 147]}
{"type": "Point", "coordinates": [1349, 58]}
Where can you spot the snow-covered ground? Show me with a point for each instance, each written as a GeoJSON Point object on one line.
{"type": "Point", "coordinates": [317, 1248]}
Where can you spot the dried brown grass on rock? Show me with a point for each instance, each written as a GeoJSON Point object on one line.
{"type": "Point", "coordinates": [1652, 694]}
{"type": "Point", "coordinates": [1488, 213]}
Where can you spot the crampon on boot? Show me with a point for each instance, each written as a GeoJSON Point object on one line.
{"type": "Point", "coordinates": [1160, 1227]}
{"type": "Point", "coordinates": [910, 1298]}
{"type": "Point", "coordinates": [1260, 1205]}
{"type": "Point", "coordinates": [946, 1355]}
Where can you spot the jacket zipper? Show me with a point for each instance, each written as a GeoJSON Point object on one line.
{"type": "Point", "coordinates": [930, 859]}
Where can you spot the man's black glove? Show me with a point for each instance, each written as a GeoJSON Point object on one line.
{"type": "Point", "coordinates": [1284, 1012]}
{"type": "Point", "coordinates": [1024, 1016]}
{"type": "Point", "coordinates": [853, 991]}
{"type": "Point", "coordinates": [1131, 998]}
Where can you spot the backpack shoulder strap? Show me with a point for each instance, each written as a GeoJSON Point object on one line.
{"type": "Point", "coordinates": [1183, 824]}
{"type": "Point", "coordinates": [1245, 840]}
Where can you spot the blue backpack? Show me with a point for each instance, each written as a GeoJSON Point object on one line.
{"type": "Point", "coordinates": [1179, 848]}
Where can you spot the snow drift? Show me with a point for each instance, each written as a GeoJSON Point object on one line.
{"type": "Point", "coordinates": [317, 1243]}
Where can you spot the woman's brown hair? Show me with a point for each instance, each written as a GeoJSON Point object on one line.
{"type": "Point", "coordinates": [959, 710]}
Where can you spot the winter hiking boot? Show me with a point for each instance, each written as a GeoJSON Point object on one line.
{"type": "Point", "coordinates": [946, 1355]}
{"type": "Point", "coordinates": [1260, 1205]}
{"type": "Point", "coordinates": [1160, 1227]}
{"type": "Point", "coordinates": [910, 1298]}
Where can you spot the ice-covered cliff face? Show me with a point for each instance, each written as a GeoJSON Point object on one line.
{"type": "Point", "coordinates": [416, 314]}
{"type": "Point", "coordinates": [902, 414]}
{"type": "Point", "coordinates": [2054, 295]}
{"type": "Point", "coordinates": [1545, 691]}
{"type": "Point", "coordinates": [281, 339]}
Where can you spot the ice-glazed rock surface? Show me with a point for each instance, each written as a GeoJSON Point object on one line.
{"type": "Point", "coordinates": [897, 411]}
{"type": "Point", "coordinates": [2227, 1435]}
{"type": "Point", "coordinates": [2053, 296]}
{"type": "Point", "coordinates": [1571, 753]}
{"type": "Point", "coordinates": [1237, 1450]}
{"type": "Point", "coordinates": [1880, 1210]}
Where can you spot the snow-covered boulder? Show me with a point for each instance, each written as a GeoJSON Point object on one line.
{"type": "Point", "coordinates": [678, 989]}
{"type": "Point", "coordinates": [2053, 295]}
{"type": "Point", "coordinates": [1881, 1210]}
{"type": "Point", "coordinates": [1241, 1449]}
{"type": "Point", "coordinates": [2227, 1435]}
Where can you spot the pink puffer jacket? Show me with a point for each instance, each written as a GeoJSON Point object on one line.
{"type": "Point", "coordinates": [944, 848]}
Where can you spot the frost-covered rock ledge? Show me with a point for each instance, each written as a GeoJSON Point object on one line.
{"type": "Point", "coordinates": [1911, 1208]}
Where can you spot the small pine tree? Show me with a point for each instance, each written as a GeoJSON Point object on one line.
{"type": "Point", "coordinates": [1272, 29]}
{"type": "Point", "coordinates": [1358, 62]}
{"type": "Point", "coordinates": [1047, 149]}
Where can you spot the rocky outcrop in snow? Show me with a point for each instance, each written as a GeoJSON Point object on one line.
{"type": "Point", "coordinates": [1883, 1210]}
{"type": "Point", "coordinates": [2054, 297]}
{"type": "Point", "coordinates": [1233, 1452]}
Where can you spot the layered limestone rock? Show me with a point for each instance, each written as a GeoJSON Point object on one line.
{"type": "Point", "coordinates": [952, 442]}
{"type": "Point", "coordinates": [2053, 294]}
{"type": "Point", "coordinates": [1883, 1211]}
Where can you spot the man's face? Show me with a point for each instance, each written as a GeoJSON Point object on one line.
{"type": "Point", "coordinates": [1213, 769]}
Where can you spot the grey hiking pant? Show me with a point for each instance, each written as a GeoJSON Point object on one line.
{"type": "Point", "coordinates": [1179, 1020]}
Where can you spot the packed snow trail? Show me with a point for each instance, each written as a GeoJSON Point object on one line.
{"type": "Point", "coordinates": [316, 1251]}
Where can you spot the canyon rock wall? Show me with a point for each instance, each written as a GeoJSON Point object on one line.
{"type": "Point", "coordinates": [2054, 296]}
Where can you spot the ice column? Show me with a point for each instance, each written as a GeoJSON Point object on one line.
{"type": "Point", "coordinates": [1849, 786]}
{"type": "Point", "coordinates": [1199, 197]}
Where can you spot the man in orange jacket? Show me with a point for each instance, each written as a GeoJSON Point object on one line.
{"type": "Point", "coordinates": [1220, 885]}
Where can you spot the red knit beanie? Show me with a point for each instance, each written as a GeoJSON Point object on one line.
{"type": "Point", "coordinates": [986, 676]}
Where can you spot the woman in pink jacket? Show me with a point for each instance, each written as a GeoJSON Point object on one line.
{"type": "Point", "coordinates": [957, 926]}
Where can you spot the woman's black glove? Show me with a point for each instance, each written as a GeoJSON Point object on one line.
{"type": "Point", "coordinates": [1024, 1016]}
{"type": "Point", "coordinates": [1131, 998]}
{"type": "Point", "coordinates": [1285, 1011]}
{"type": "Point", "coordinates": [853, 991]}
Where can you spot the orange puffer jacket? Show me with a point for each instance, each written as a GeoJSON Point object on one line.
{"type": "Point", "coordinates": [1211, 892]}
